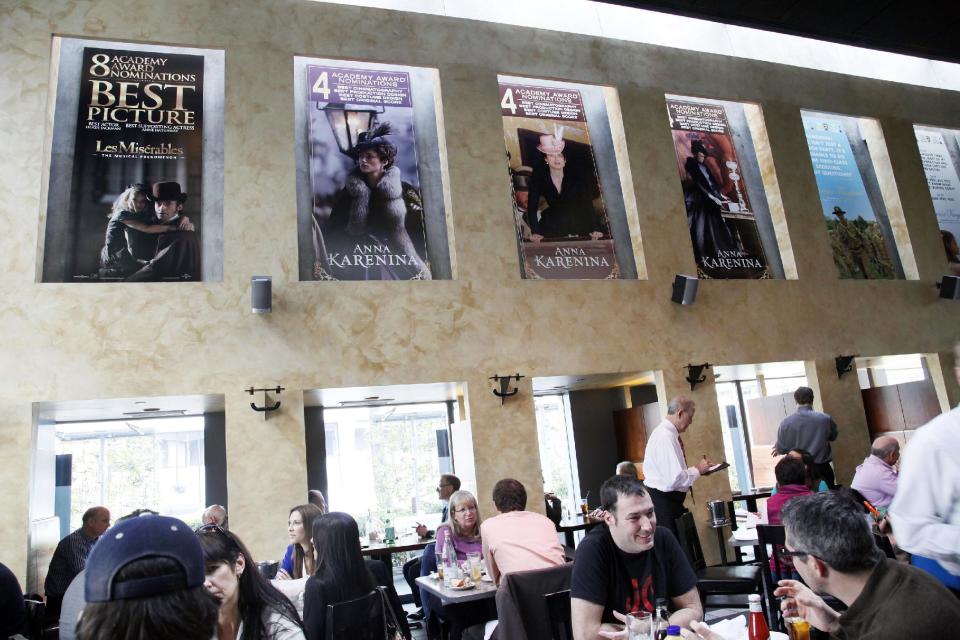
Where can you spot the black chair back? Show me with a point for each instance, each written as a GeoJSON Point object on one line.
{"type": "Point", "coordinates": [774, 536]}
{"type": "Point", "coordinates": [883, 542]}
{"type": "Point", "coordinates": [268, 569]}
{"type": "Point", "coordinates": [358, 619]}
{"type": "Point", "coordinates": [558, 606]}
{"type": "Point", "coordinates": [690, 540]}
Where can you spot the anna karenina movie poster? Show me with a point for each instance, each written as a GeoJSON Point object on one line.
{"type": "Point", "coordinates": [723, 226]}
{"type": "Point", "coordinates": [561, 221]}
{"type": "Point", "coordinates": [139, 139]}
{"type": "Point", "coordinates": [368, 215]}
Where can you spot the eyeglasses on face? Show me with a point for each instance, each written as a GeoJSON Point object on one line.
{"type": "Point", "coordinates": [794, 554]}
{"type": "Point", "coordinates": [472, 508]}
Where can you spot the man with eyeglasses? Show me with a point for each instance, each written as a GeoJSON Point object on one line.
{"type": "Point", "coordinates": [627, 565]}
{"type": "Point", "coordinates": [834, 552]}
{"type": "Point", "coordinates": [413, 568]}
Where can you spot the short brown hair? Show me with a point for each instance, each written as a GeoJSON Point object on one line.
{"type": "Point", "coordinates": [803, 395]}
{"type": "Point", "coordinates": [509, 495]}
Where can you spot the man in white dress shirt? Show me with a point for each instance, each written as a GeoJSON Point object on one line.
{"type": "Point", "coordinates": [925, 512]}
{"type": "Point", "coordinates": [667, 476]}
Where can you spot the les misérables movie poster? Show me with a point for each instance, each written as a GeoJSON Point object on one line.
{"type": "Point", "coordinates": [560, 217]}
{"type": "Point", "coordinates": [135, 200]}
{"type": "Point", "coordinates": [368, 213]}
{"type": "Point", "coordinates": [723, 226]}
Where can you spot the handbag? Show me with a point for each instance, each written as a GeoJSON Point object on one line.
{"type": "Point", "coordinates": [391, 627]}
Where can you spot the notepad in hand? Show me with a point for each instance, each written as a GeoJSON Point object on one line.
{"type": "Point", "coordinates": [720, 466]}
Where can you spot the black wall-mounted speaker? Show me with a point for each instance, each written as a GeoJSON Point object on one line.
{"type": "Point", "coordinates": [261, 288]}
{"type": "Point", "coordinates": [684, 289]}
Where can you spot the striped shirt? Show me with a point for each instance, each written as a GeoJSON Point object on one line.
{"type": "Point", "coordinates": [68, 560]}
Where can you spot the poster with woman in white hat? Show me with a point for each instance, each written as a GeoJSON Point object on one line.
{"type": "Point", "coordinates": [562, 227]}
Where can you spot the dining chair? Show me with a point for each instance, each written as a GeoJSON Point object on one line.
{"type": "Point", "coordinates": [357, 619]}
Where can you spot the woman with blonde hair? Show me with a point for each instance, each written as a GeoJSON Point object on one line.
{"type": "Point", "coordinates": [462, 530]}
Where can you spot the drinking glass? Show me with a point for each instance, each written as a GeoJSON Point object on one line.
{"type": "Point", "coordinates": [584, 506]}
{"type": "Point", "coordinates": [640, 625]}
{"type": "Point", "coordinates": [473, 558]}
{"type": "Point", "coordinates": [798, 628]}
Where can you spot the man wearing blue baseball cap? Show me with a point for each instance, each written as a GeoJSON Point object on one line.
{"type": "Point", "coordinates": [144, 579]}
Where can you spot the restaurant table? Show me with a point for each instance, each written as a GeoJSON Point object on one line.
{"type": "Point", "coordinates": [580, 523]}
{"type": "Point", "coordinates": [384, 553]}
{"type": "Point", "coordinates": [448, 596]}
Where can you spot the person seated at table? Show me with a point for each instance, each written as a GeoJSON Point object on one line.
{"type": "Point", "coordinates": [627, 468]}
{"type": "Point", "coordinates": [626, 564]}
{"type": "Point", "coordinates": [423, 565]}
{"type": "Point", "coordinates": [814, 481]}
{"type": "Point", "coordinates": [553, 506]}
{"type": "Point", "coordinates": [876, 478]}
{"type": "Point", "coordinates": [515, 539]}
{"type": "Point", "coordinates": [834, 552]}
{"type": "Point", "coordinates": [144, 579]}
{"type": "Point", "coordinates": [341, 572]}
{"type": "Point", "coordinates": [214, 514]}
{"type": "Point", "coordinates": [298, 561]}
{"type": "Point", "coordinates": [462, 530]}
{"type": "Point", "coordinates": [315, 497]}
{"type": "Point", "coordinates": [250, 607]}
{"type": "Point", "coordinates": [791, 482]}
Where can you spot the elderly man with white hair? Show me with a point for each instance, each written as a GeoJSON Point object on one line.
{"type": "Point", "coordinates": [876, 478]}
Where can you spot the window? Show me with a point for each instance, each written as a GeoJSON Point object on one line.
{"type": "Point", "coordinates": [557, 454]}
{"type": "Point", "coordinates": [386, 460]}
{"type": "Point", "coordinates": [132, 464]}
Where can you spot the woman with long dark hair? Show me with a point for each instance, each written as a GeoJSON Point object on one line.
{"type": "Point", "coordinates": [250, 607]}
{"type": "Point", "coordinates": [341, 571]}
{"type": "Point", "coordinates": [298, 561]}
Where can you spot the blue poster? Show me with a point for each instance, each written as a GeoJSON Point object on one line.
{"type": "Point", "coordinates": [859, 249]}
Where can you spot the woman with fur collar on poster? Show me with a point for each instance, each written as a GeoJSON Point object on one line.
{"type": "Point", "coordinates": [367, 236]}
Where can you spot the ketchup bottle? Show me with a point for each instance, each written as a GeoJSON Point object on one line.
{"type": "Point", "coordinates": [758, 629]}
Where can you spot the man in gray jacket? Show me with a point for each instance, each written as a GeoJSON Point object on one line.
{"type": "Point", "coordinates": [811, 431]}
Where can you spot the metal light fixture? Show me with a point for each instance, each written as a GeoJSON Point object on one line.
{"type": "Point", "coordinates": [348, 124]}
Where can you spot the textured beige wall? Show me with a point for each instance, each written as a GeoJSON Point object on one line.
{"type": "Point", "coordinates": [104, 340]}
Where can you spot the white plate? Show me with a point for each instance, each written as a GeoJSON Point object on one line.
{"type": "Point", "coordinates": [468, 585]}
{"type": "Point", "coordinates": [778, 635]}
{"type": "Point", "coordinates": [486, 578]}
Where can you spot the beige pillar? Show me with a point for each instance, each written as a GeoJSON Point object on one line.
{"type": "Point", "coordinates": [704, 437]}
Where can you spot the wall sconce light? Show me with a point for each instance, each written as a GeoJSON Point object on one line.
{"type": "Point", "coordinates": [348, 124]}
{"type": "Point", "coordinates": [261, 294]}
{"type": "Point", "coordinates": [695, 373]}
{"type": "Point", "coordinates": [844, 364]}
{"type": "Point", "coordinates": [267, 407]}
{"type": "Point", "coordinates": [684, 289]}
{"type": "Point", "coordinates": [504, 390]}
{"type": "Point", "coordinates": [949, 287]}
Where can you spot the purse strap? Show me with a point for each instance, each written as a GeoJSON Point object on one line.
{"type": "Point", "coordinates": [390, 616]}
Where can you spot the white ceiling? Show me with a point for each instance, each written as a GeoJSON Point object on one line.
{"type": "Point", "coordinates": [592, 381]}
{"type": "Point", "coordinates": [120, 408]}
{"type": "Point", "coordinates": [390, 394]}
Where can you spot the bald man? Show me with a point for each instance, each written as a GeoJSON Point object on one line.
{"type": "Point", "coordinates": [667, 476]}
{"type": "Point", "coordinates": [876, 478]}
{"type": "Point", "coordinates": [214, 514]}
{"type": "Point", "coordinates": [70, 558]}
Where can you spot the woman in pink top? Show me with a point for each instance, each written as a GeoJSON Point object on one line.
{"type": "Point", "coordinates": [791, 482]}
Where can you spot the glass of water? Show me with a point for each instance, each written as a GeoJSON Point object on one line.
{"type": "Point", "coordinates": [640, 626]}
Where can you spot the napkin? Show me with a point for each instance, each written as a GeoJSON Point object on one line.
{"type": "Point", "coordinates": [731, 628]}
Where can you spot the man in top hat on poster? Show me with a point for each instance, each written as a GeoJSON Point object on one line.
{"type": "Point", "coordinates": [178, 251]}
{"type": "Point", "coordinates": [521, 198]}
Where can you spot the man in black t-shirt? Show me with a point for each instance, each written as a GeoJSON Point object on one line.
{"type": "Point", "coordinates": [627, 565]}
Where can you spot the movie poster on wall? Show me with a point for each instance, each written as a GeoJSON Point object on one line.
{"type": "Point", "coordinates": [723, 226]}
{"type": "Point", "coordinates": [368, 214]}
{"type": "Point", "coordinates": [859, 249]}
{"type": "Point", "coordinates": [944, 185]}
{"type": "Point", "coordinates": [559, 213]}
{"type": "Point", "coordinates": [137, 168]}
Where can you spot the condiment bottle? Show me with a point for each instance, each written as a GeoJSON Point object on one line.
{"type": "Point", "coordinates": [673, 631]}
{"type": "Point", "coordinates": [758, 629]}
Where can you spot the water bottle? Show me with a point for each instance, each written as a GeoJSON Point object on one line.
{"type": "Point", "coordinates": [662, 619]}
{"type": "Point", "coordinates": [389, 533]}
{"type": "Point", "coordinates": [449, 562]}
